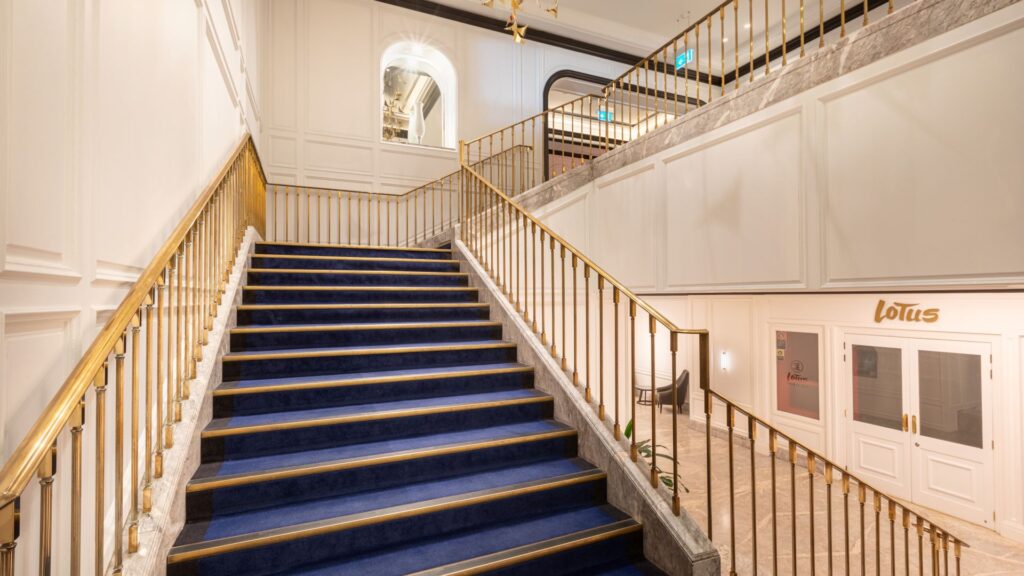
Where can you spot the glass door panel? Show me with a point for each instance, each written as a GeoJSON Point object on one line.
{"type": "Point", "coordinates": [950, 388]}
{"type": "Point", "coordinates": [878, 386]}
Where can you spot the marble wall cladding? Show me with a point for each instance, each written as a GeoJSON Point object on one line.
{"type": "Point", "coordinates": [677, 545]}
{"type": "Point", "coordinates": [885, 36]}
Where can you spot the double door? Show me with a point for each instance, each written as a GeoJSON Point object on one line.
{"type": "Point", "coordinates": [919, 421]}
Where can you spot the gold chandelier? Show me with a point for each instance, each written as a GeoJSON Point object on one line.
{"type": "Point", "coordinates": [512, 23]}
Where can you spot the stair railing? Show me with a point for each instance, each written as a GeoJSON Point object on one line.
{"type": "Point", "coordinates": [344, 217]}
{"type": "Point", "coordinates": [145, 357]}
{"type": "Point", "coordinates": [528, 262]}
{"type": "Point", "coordinates": [729, 47]}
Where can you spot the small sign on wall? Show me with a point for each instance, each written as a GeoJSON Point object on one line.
{"type": "Point", "coordinates": [903, 312]}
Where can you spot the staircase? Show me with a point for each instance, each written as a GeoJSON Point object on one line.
{"type": "Point", "coordinates": [372, 421]}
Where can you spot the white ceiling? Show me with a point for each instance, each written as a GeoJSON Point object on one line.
{"type": "Point", "coordinates": [634, 26]}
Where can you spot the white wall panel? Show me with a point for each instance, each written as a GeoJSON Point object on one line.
{"type": "Point", "coordinates": [913, 165]}
{"type": "Point", "coordinates": [323, 86]}
{"type": "Point", "coordinates": [727, 224]}
{"type": "Point", "coordinates": [619, 216]}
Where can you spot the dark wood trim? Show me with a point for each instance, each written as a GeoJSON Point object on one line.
{"type": "Point", "coordinates": [495, 25]}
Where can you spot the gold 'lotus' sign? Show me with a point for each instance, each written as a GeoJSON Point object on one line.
{"type": "Point", "coordinates": [905, 313]}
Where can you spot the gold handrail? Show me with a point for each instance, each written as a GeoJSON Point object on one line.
{"type": "Point", "coordinates": [502, 236]}
{"type": "Point", "coordinates": [184, 282]}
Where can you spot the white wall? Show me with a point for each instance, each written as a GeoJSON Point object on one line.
{"type": "Point", "coordinates": [114, 115]}
{"type": "Point", "coordinates": [323, 103]}
{"type": "Point", "coordinates": [886, 178]}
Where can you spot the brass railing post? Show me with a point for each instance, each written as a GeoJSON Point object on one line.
{"type": "Point", "coordinates": [10, 528]}
{"type": "Point", "coordinates": [47, 468]}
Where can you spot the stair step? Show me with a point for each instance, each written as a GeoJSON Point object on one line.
{"type": "Point", "coordinates": [361, 278]}
{"type": "Point", "coordinates": [310, 262]}
{"type": "Point", "coordinates": [359, 251]}
{"type": "Point", "coordinates": [357, 294]}
{"type": "Point", "coordinates": [273, 540]}
{"type": "Point", "coordinates": [239, 485]}
{"type": "Point", "coordinates": [247, 436]}
{"type": "Point", "coordinates": [264, 314]}
{"type": "Point", "coordinates": [528, 559]}
{"type": "Point", "coordinates": [475, 551]}
{"type": "Point", "coordinates": [273, 394]}
{"type": "Point", "coordinates": [315, 361]}
{"type": "Point", "coordinates": [278, 337]}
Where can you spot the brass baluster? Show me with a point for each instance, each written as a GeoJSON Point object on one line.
{"type": "Point", "coordinates": [632, 378]}
{"type": "Point", "coordinates": [767, 47]}
{"type": "Point", "coordinates": [865, 12]}
{"type": "Point", "coordinates": [721, 43]}
{"type": "Point", "coordinates": [784, 47]}
{"type": "Point", "coordinates": [892, 537]}
{"type": "Point", "coordinates": [956, 555]}
{"type": "Point", "coordinates": [676, 506]}
{"type": "Point", "coordinates": [287, 219]}
{"type": "Point", "coordinates": [77, 423]}
{"type": "Point", "coordinates": [878, 532]}
{"type": "Point", "coordinates": [147, 483]}
{"type": "Point", "coordinates": [711, 58]}
{"type": "Point", "coordinates": [810, 498]}
{"type": "Point", "coordinates": [564, 326]}
{"type": "Point", "coordinates": [697, 42]}
{"type": "Point", "coordinates": [10, 527]}
{"type": "Point", "coordinates": [802, 28]}
{"type": "Point", "coordinates": [47, 468]}
{"type": "Point", "coordinates": [842, 18]}
{"type": "Point", "coordinates": [828, 511]}
{"type": "Point", "coordinates": [708, 406]}
{"type": "Point", "coordinates": [686, 75]}
{"type": "Point", "coordinates": [554, 324]}
{"type": "Point", "coordinates": [920, 546]}
{"type": "Point", "coordinates": [730, 423]}
{"type": "Point", "coordinates": [821, 23]}
{"type": "Point", "coordinates": [906, 542]}
{"type": "Point", "coordinates": [675, 80]}
{"type": "Point", "coordinates": [792, 497]}
{"type": "Point", "coordinates": [750, 43]}
{"type": "Point", "coordinates": [119, 350]}
{"type": "Point", "coordinates": [575, 332]}
{"type": "Point", "coordinates": [752, 435]}
{"type": "Point", "coordinates": [773, 447]}
{"type": "Point", "coordinates": [654, 414]}
{"type": "Point", "coordinates": [846, 521]}
{"type": "Point", "coordinates": [133, 513]}
{"type": "Point", "coordinates": [861, 497]}
{"type": "Point", "coordinates": [615, 355]}
{"type": "Point", "coordinates": [736, 37]}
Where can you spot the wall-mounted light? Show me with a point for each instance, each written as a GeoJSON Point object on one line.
{"type": "Point", "coordinates": [724, 361]}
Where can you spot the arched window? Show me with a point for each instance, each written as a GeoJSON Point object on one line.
{"type": "Point", "coordinates": [418, 96]}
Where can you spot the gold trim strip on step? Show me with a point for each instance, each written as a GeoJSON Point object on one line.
{"type": "Point", "coordinates": [365, 288]}
{"type": "Point", "coordinates": [356, 247]}
{"type": "Point", "coordinates": [367, 461]}
{"type": "Point", "coordinates": [351, 258]}
{"type": "Point", "coordinates": [529, 552]}
{"type": "Point", "coordinates": [354, 272]}
{"type": "Point", "coordinates": [357, 327]}
{"type": "Point", "coordinates": [371, 417]}
{"type": "Point", "coordinates": [278, 535]}
{"type": "Point", "coordinates": [393, 305]}
{"type": "Point", "coordinates": [226, 390]}
{"type": "Point", "coordinates": [330, 352]}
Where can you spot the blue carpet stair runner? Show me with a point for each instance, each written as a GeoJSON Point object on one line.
{"type": "Point", "coordinates": [372, 421]}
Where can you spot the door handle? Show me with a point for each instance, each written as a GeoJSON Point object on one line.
{"type": "Point", "coordinates": [913, 424]}
{"type": "Point", "coordinates": [905, 425]}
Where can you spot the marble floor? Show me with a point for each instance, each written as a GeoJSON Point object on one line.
{"type": "Point", "coordinates": [988, 554]}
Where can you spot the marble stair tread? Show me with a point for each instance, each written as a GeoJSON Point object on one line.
{"type": "Point", "coordinates": [315, 416]}
{"type": "Point", "coordinates": [300, 517]}
{"type": "Point", "coordinates": [357, 378]}
{"type": "Point", "coordinates": [469, 545]}
{"type": "Point", "coordinates": [216, 473]}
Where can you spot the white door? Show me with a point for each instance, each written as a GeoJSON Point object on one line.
{"type": "Point", "coordinates": [919, 421]}
{"type": "Point", "coordinates": [877, 377]}
{"type": "Point", "coordinates": [951, 426]}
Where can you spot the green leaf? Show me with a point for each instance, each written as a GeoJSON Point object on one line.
{"type": "Point", "coordinates": [629, 429]}
{"type": "Point", "coordinates": [667, 481]}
